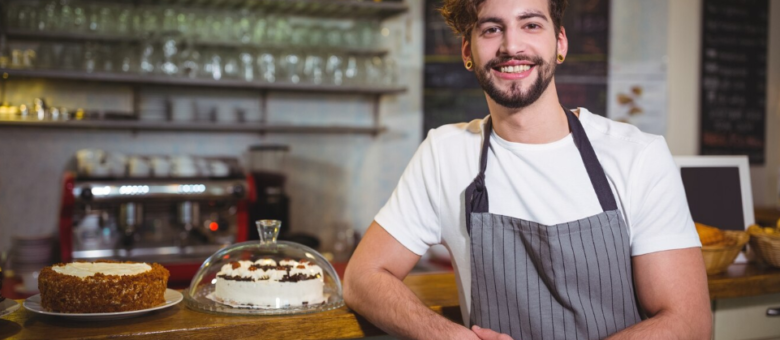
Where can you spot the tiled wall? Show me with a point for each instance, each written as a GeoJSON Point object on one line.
{"type": "Point", "coordinates": [331, 178]}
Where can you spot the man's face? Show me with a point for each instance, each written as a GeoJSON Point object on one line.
{"type": "Point", "coordinates": [514, 48]}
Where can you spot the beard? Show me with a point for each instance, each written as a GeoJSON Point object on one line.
{"type": "Point", "coordinates": [516, 98]}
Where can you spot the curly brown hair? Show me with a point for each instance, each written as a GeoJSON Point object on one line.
{"type": "Point", "coordinates": [461, 15]}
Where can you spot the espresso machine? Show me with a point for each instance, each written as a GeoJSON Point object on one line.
{"type": "Point", "coordinates": [176, 220]}
{"type": "Point", "coordinates": [266, 163]}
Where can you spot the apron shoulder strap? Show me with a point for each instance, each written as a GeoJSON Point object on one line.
{"type": "Point", "coordinates": [596, 173]}
{"type": "Point", "coordinates": [476, 193]}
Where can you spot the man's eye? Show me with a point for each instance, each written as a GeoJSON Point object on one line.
{"type": "Point", "coordinates": [533, 26]}
{"type": "Point", "coordinates": [491, 30]}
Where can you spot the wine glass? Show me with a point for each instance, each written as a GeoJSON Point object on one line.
{"type": "Point", "coordinates": [90, 61]}
{"type": "Point", "coordinates": [351, 71]}
{"type": "Point", "coordinates": [244, 27]}
{"type": "Point", "coordinates": [333, 69]}
{"type": "Point", "coordinates": [247, 66]}
{"type": "Point", "coordinates": [49, 18]}
{"type": "Point", "coordinates": [190, 61]}
{"type": "Point", "coordinates": [213, 66]}
{"type": "Point", "coordinates": [259, 30]}
{"type": "Point", "coordinates": [169, 51]}
{"type": "Point", "coordinates": [170, 22]}
{"type": "Point", "coordinates": [313, 69]}
{"type": "Point", "coordinates": [266, 63]}
{"type": "Point", "coordinates": [147, 59]}
{"type": "Point", "coordinates": [291, 64]}
{"type": "Point", "coordinates": [231, 66]}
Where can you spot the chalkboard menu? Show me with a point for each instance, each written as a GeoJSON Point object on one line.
{"type": "Point", "coordinates": [582, 78]}
{"type": "Point", "coordinates": [733, 78]}
{"type": "Point", "coordinates": [452, 94]}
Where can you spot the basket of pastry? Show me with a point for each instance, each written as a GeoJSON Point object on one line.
{"type": "Point", "coordinates": [720, 247]}
{"type": "Point", "coordinates": [765, 242]}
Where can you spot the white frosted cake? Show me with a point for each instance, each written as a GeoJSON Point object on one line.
{"type": "Point", "coordinates": [264, 284]}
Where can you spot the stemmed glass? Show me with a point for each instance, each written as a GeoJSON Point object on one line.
{"type": "Point", "coordinates": [266, 64]}
{"type": "Point", "coordinates": [313, 69]}
{"type": "Point", "coordinates": [333, 69]}
{"type": "Point", "coordinates": [247, 66]}
{"type": "Point", "coordinates": [190, 61]}
{"type": "Point", "coordinates": [291, 63]}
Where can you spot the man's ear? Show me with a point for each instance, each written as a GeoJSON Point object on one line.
{"type": "Point", "coordinates": [465, 51]}
{"type": "Point", "coordinates": [563, 43]}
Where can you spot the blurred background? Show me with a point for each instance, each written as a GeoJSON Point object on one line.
{"type": "Point", "coordinates": [160, 130]}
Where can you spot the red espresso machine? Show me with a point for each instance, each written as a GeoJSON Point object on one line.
{"type": "Point", "coordinates": [177, 222]}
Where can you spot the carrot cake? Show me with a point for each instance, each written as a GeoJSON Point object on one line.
{"type": "Point", "coordinates": [102, 286]}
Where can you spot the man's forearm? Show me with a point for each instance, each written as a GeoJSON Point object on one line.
{"type": "Point", "coordinates": [385, 301]}
{"type": "Point", "coordinates": [667, 326]}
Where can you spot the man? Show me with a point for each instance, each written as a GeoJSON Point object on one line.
{"type": "Point", "coordinates": [585, 228]}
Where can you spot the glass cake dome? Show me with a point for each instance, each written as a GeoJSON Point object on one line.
{"type": "Point", "coordinates": [265, 277]}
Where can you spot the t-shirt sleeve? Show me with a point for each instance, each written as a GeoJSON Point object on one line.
{"type": "Point", "coordinates": [411, 215]}
{"type": "Point", "coordinates": [660, 218]}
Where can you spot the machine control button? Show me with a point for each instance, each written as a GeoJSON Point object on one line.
{"type": "Point", "coordinates": [239, 190]}
{"type": "Point", "coordinates": [86, 194]}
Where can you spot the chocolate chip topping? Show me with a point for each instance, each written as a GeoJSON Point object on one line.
{"type": "Point", "coordinates": [297, 277]}
{"type": "Point", "coordinates": [241, 278]}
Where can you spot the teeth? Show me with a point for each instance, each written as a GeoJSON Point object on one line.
{"type": "Point", "coordinates": [515, 69]}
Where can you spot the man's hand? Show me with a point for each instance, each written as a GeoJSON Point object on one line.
{"type": "Point", "coordinates": [489, 334]}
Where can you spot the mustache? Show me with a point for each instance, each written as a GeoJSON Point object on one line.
{"type": "Point", "coordinates": [537, 60]}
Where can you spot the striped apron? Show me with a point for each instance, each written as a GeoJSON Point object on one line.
{"type": "Point", "coordinates": [566, 281]}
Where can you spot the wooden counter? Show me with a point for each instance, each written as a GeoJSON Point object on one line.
{"type": "Point", "coordinates": [179, 322]}
{"type": "Point", "coordinates": [437, 291]}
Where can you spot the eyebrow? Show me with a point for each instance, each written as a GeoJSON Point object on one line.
{"type": "Point", "coordinates": [523, 16]}
{"type": "Point", "coordinates": [531, 14]}
{"type": "Point", "coordinates": [495, 20]}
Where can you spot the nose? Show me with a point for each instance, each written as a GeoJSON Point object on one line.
{"type": "Point", "coordinates": [513, 43]}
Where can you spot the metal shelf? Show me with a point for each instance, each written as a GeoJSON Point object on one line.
{"type": "Point", "coordinates": [318, 8]}
{"type": "Point", "coordinates": [14, 33]}
{"type": "Point", "coordinates": [197, 82]}
{"type": "Point", "coordinates": [190, 126]}
{"type": "Point", "coordinates": [358, 9]}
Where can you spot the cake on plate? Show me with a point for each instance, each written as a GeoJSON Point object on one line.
{"type": "Point", "coordinates": [102, 286]}
{"type": "Point", "coordinates": [266, 284]}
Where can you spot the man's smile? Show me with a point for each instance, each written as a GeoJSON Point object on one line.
{"type": "Point", "coordinates": [513, 72]}
{"type": "Point", "coordinates": [513, 69]}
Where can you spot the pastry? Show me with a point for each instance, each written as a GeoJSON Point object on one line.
{"type": "Point", "coordinates": [102, 286]}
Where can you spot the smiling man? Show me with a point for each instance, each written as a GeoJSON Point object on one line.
{"type": "Point", "coordinates": [586, 232]}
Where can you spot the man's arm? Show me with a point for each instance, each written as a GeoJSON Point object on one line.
{"type": "Point", "coordinates": [373, 287]}
{"type": "Point", "coordinates": [671, 287]}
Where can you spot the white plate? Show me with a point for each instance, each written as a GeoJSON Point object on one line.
{"type": "Point", "coordinates": [33, 304]}
{"type": "Point", "coordinates": [8, 306]}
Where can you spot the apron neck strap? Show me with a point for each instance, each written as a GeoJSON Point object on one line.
{"type": "Point", "coordinates": [477, 192]}
{"type": "Point", "coordinates": [595, 172]}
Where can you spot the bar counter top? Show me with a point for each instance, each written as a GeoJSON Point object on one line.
{"type": "Point", "coordinates": [437, 291]}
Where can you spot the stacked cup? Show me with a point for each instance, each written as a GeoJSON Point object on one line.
{"type": "Point", "coordinates": [29, 255]}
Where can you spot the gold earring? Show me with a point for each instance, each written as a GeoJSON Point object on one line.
{"type": "Point", "coordinates": [469, 64]}
{"type": "Point", "coordinates": [560, 58]}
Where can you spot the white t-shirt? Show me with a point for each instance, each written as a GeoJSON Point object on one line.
{"type": "Point", "coordinates": [544, 183]}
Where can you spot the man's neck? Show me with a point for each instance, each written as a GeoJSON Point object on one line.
{"type": "Point", "coordinates": [542, 122]}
